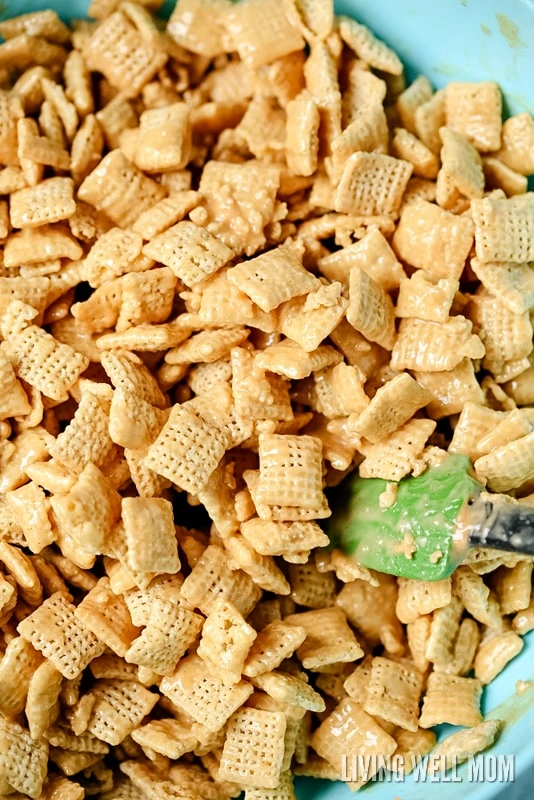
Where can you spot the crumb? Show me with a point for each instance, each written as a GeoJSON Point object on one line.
{"type": "Point", "coordinates": [407, 547]}
{"type": "Point", "coordinates": [435, 556]}
{"type": "Point", "coordinates": [388, 497]}
{"type": "Point", "coordinates": [522, 686]}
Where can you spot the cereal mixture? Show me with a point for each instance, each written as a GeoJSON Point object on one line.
{"type": "Point", "coordinates": [240, 259]}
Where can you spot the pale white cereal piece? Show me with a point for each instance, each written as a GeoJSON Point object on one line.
{"type": "Point", "coordinates": [435, 347]}
{"type": "Point", "coordinates": [367, 47]}
{"type": "Point", "coordinates": [167, 212]}
{"type": "Point", "coordinates": [500, 176]}
{"type": "Point", "coordinates": [120, 190]}
{"type": "Point", "coordinates": [397, 454]}
{"type": "Point", "coordinates": [373, 254]}
{"type": "Point", "coordinates": [225, 642]}
{"type": "Point", "coordinates": [158, 552]}
{"type": "Point", "coordinates": [418, 189]}
{"type": "Point", "coordinates": [33, 246]}
{"type": "Point", "coordinates": [433, 239]}
{"type": "Point", "coordinates": [119, 708]}
{"type": "Point", "coordinates": [302, 134]}
{"type": "Point", "coordinates": [146, 297]}
{"type": "Point", "coordinates": [272, 278]}
{"type": "Point", "coordinates": [202, 695]}
{"type": "Point", "coordinates": [507, 335]}
{"type": "Point", "coordinates": [363, 89]}
{"type": "Point", "coordinates": [263, 570]}
{"type": "Point", "coordinates": [368, 132]}
{"type": "Point", "coordinates": [409, 148]}
{"type": "Point", "coordinates": [290, 471]}
{"type": "Point", "coordinates": [42, 705]}
{"type": "Point", "coordinates": [30, 510]}
{"type": "Point", "coordinates": [50, 201]}
{"type": "Point", "coordinates": [18, 663]}
{"type": "Point", "coordinates": [474, 110]}
{"type": "Point", "coordinates": [393, 405]}
{"type": "Point", "coordinates": [167, 736]}
{"type": "Point", "coordinates": [263, 127]}
{"type": "Point", "coordinates": [464, 745]}
{"type": "Point", "coordinates": [254, 748]}
{"type": "Point", "coordinates": [372, 183]}
{"type": "Point", "coordinates": [311, 319]}
{"type": "Point", "coordinates": [86, 438]}
{"type": "Point", "coordinates": [477, 598]}
{"type": "Point", "coordinates": [163, 139]}
{"type": "Point", "coordinates": [290, 360]}
{"type": "Point", "coordinates": [33, 291]}
{"type": "Point", "coordinates": [517, 141]}
{"type": "Point", "coordinates": [393, 692]}
{"type": "Point", "coordinates": [13, 398]}
{"type": "Point", "coordinates": [317, 18]}
{"type": "Point", "coordinates": [422, 297]}
{"type": "Point", "coordinates": [262, 35]}
{"type": "Point", "coordinates": [23, 761]}
{"type": "Point", "coordinates": [504, 228]}
{"type": "Point", "coordinates": [258, 394]}
{"type": "Point", "coordinates": [451, 390]}
{"type": "Point", "coordinates": [417, 598]}
{"type": "Point", "coordinates": [112, 255]}
{"type": "Point", "coordinates": [348, 728]}
{"type": "Point", "coordinates": [329, 639]}
{"type": "Point", "coordinates": [28, 447]}
{"type": "Point", "coordinates": [212, 577]}
{"type": "Point", "coordinates": [427, 118]}
{"type": "Point", "coordinates": [415, 96]}
{"type": "Point", "coordinates": [370, 309]}
{"type": "Point", "coordinates": [128, 372]}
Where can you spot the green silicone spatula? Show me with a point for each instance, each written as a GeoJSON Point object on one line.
{"type": "Point", "coordinates": [427, 530]}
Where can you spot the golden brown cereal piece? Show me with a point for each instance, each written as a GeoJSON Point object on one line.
{"type": "Point", "coordinates": [56, 632]}
{"type": "Point", "coordinates": [373, 254]}
{"type": "Point", "coordinates": [433, 239]}
{"type": "Point", "coordinates": [465, 648]}
{"type": "Point", "coordinates": [225, 642]}
{"type": "Point", "coordinates": [33, 291]}
{"type": "Point", "coordinates": [282, 538]}
{"type": "Point", "coordinates": [443, 633]}
{"type": "Point", "coordinates": [409, 148]}
{"type": "Point", "coordinates": [474, 110]}
{"type": "Point", "coordinates": [66, 111]}
{"type": "Point", "coordinates": [24, 51]}
{"type": "Point", "coordinates": [393, 692]}
{"type": "Point", "coordinates": [416, 96]}
{"type": "Point", "coordinates": [167, 212]}
{"type": "Point", "coordinates": [112, 255]}
{"type": "Point", "coordinates": [141, 601]}
{"type": "Point", "coordinates": [119, 708]}
{"type": "Point", "coordinates": [33, 246]}
{"type": "Point", "coordinates": [336, 392]}
{"type": "Point", "coordinates": [350, 729]}
{"type": "Point", "coordinates": [517, 139]}
{"type": "Point", "coordinates": [290, 471]}
{"type": "Point", "coordinates": [261, 569]}
{"type": "Point", "coordinates": [52, 200]}
{"type": "Point", "coordinates": [10, 111]}
{"type": "Point", "coordinates": [146, 297]}
{"type": "Point", "coordinates": [30, 510]}
{"type": "Point", "coordinates": [393, 405]}
{"type": "Point", "coordinates": [212, 577]}
{"type": "Point", "coordinates": [367, 47]}
{"type": "Point", "coordinates": [423, 297]}
{"type": "Point", "coordinates": [163, 140]}
{"type": "Point", "coordinates": [239, 199]}
{"type": "Point", "coordinates": [222, 303]}
{"type": "Point", "coordinates": [115, 118]}
{"type": "Point", "coordinates": [481, 603]}
{"type": "Point", "coordinates": [128, 372]}
{"type": "Point", "coordinates": [23, 761]}
{"type": "Point", "coordinates": [302, 134]}
{"type": "Point", "coordinates": [513, 426]}
{"type": "Point", "coordinates": [426, 116]}
{"type": "Point", "coordinates": [254, 748]}
{"type": "Point", "coordinates": [329, 639]}
{"type": "Point", "coordinates": [417, 598]}
{"type": "Point", "coordinates": [262, 35]}
{"type": "Point", "coordinates": [418, 189]}
{"type": "Point", "coordinates": [513, 587]}
{"type": "Point", "coordinates": [11, 179]}
{"type": "Point", "coordinates": [134, 423]}
{"type": "Point", "coordinates": [119, 51]}
{"type": "Point", "coordinates": [86, 438]}
{"type": "Point", "coordinates": [29, 447]}
{"type": "Point", "coordinates": [37, 23]}
{"type": "Point", "coordinates": [263, 127]}
{"type": "Point", "coordinates": [507, 466]}
{"type": "Point", "coordinates": [102, 309]}
{"type": "Point", "coordinates": [78, 87]}
{"type": "Point", "coordinates": [495, 653]}
{"type": "Point", "coordinates": [191, 252]}
{"type": "Point", "coordinates": [370, 309]}
{"type": "Point", "coordinates": [166, 736]}
{"type": "Point", "coordinates": [451, 699]}
{"type": "Point", "coordinates": [461, 169]}
{"type": "Point", "coordinates": [39, 148]}
{"type": "Point", "coordinates": [275, 642]}
{"type": "Point", "coordinates": [369, 132]}
{"type": "Point", "coordinates": [475, 422]}
{"type": "Point", "coordinates": [398, 454]}
{"type": "Point", "coordinates": [504, 229]}
{"type": "Point", "coordinates": [417, 633]}
{"type": "Point", "coordinates": [317, 18]}
{"type": "Point", "coordinates": [107, 616]}
{"type": "Point", "coordinates": [293, 689]}
{"type": "Point", "coordinates": [202, 695]}
{"type": "Point", "coordinates": [463, 745]}
{"type": "Point", "coordinates": [309, 320]}
{"type": "Point", "coordinates": [42, 705]}
{"type": "Point", "coordinates": [159, 553]}
{"type": "Point", "coordinates": [433, 346]}
{"type": "Point", "coordinates": [257, 394]}
{"type": "Point", "coordinates": [119, 189]}
{"type": "Point", "coordinates": [18, 663]}
{"type": "Point", "coordinates": [372, 183]}
{"type": "Point", "coordinates": [197, 25]}
{"type": "Point", "coordinates": [411, 747]}
{"type": "Point", "coordinates": [13, 398]}
{"type": "Point", "coordinates": [499, 176]}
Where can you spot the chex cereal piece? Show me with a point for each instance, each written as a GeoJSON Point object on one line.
{"type": "Point", "coordinates": [18, 663]}
{"type": "Point", "coordinates": [126, 371]}
{"type": "Point", "coordinates": [440, 246]}
{"type": "Point", "coordinates": [512, 587]}
{"type": "Point", "coordinates": [282, 538]}
{"type": "Point", "coordinates": [262, 569]}
{"type": "Point", "coordinates": [166, 736]}
{"type": "Point", "coordinates": [369, 132]}
{"type": "Point", "coordinates": [146, 297]}
{"type": "Point", "coordinates": [290, 471]}
{"type": "Point", "coordinates": [37, 23]}
{"type": "Point", "coordinates": [140, 601]}
{"type": "Point", "coordinates": [202, 695]}
{"type": "Point", "coordinates": [312, 588]}
{"type": "Point", "coordinates": [39, 148]}
{"type": "Point", "coordinates": [512, 283]}
{"type": "Point", "coordinates": [329, 639]}
{"type": "Point", "coordinates": [257, 393]}
{"type": "Point", "coordinates": [272, 278]}
{"type": "Point", "coordinates": [163, 139]}
{"type": "Point", "coordinates": [50, 201]}
{"type": "Point", "coordinates": [30, 510]}
{"type": "Point", "coordinates": [372, 183]}
{"type": "Point", "coordinates": [517, 139]}
{"type": "Point", "coordinates": [119, 708]}
{"type": "Point", "coordinates": [292, 689]}
{"type": "Point", "coordinates": [212, 578]}
{"type": "Point", "coordinates": [113, 254]}
{"type": "Point", "coordinates": [13, 398]}
{"type": "Point", "coordinates": [56, 632]}
{"type": "Point", "coordinates": [423, 297]}
{"type": "Point", "coordinates": [23, 761]}
{"type": "Point", "coordinates": [451, 699]}
{"type": "Point", "coordinates": [284, 790]}
{"type": "Point", "coordinates": [507, 336]}
{"type": "Point", "coordinates": [409, 148]}
{"type": "Point", "coordinates": [66, 111]}
{"type": "Point", "coordinates": [88, 510]}
{"type": "Point", "coordinates": [45, 363]}
{"type": "Point", "coordinates": [86, 150]}
{"type": "Point", "coordinates": [418, 598]}
{"type": "Point", "coordinates": [107, 616]}
{"type": "Point", "coordinates": [167, 212]}
{"type": "Point", "coordinates": [24, 51]}
{"type": "Point", "coordinates": [275, 642]}
{"type": "Point", "coordinates": [370, 309]}
{"type": "Point", "coordinates": [239, 199]}
{"type": "Point", "coordinates": [302, 132]}
{"type": "Point", "coordinates": [185, 437]}
{"type": "Point", "coordinates": [289, 359]}
{"type": "Point", "coordinates": [504, 228]}
{"type": "Point", "coordinates": [42, 705]}
{"type": "Point", "coordinates": [495, 653]}
{"type": "Point", "coordinates": [282, 513]}
{"type": "Point", "coordinates": [393, 692]}
{"type": "Point", "coordinates": [462, 745]}
{"type": "Point", "coordinates": [159, 552]}
{"type": "Point", "coordinates": [259, 35]}
{"type": "Point", "coordinates": [10, 112]}
{"type": "Point", "coordinates": [254, 748]}
{"type": "Point", "coordinates": [350, 729]}
{"type": "Point", "coordinates": [397, 454]}
{"type": "Point", "coordinates": [222, 303]}
{"type": "Point", "coordinates": [119, 51]}
{"type": "Point", "coordinates": [393, 405]}
{"type": "Point", "coordinates": [507, 466]}
{"type": "Point", "coordinates": [475, 110]}
{"type": "Point", "coordinates": [197, 25]}
{"type": "Point", "coordinates": [367, 47]}
{"type": "Point", "coordinates": [433, 346]}
{"type": "Point", "coordinates": [461, 167]}
{"type": "Point", "coordinates": [225, 642]}
{"type": "Point", "coordinates": [444, 628]}
{"type": "Point", "coordinates": [311, 319]}
{"type": "Point", "coordinates": [35, 245]}
{"type": "Point", "coordinates": [119, 189]}
{"type": "Point", "coordinates": [191, 252]}
{"type": "Point", "coordinates": [86, 438]}
{"type": "Point", "coordinates": [373, 254]}
{"type": "Point", "coordinates": [207, 346]}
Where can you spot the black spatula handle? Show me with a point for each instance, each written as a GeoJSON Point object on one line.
{"type": "Point", "coordinates": [503, 526]}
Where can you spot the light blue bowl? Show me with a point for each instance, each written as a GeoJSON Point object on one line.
{"type": "Point", "coordinates": [466, 40]}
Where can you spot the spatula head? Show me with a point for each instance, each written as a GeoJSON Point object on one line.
{"type": "Point", "coordinates": [414, 537]}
